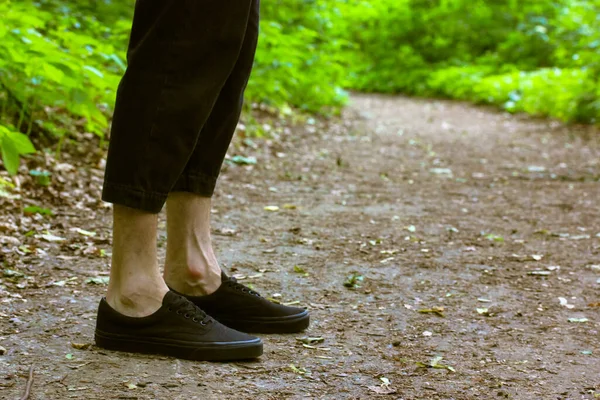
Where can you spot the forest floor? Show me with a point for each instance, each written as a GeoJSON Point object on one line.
{"type": "Point", "coordinates": [473, 237]}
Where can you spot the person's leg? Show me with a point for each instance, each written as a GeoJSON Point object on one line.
{"type": "Point", "coordinates": [191, 266]}
{"type": "Point", "coordinates": [135, 288]}
{"type": "Point", "coordinates": [181, 54]}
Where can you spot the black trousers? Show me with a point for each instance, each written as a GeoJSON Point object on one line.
{"type": "Point", "coordinates": [180, 99]}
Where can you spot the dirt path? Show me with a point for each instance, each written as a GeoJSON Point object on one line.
{"type": "Point", "coordinates": [435, 204]}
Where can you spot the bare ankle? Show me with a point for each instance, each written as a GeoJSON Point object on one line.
{"type": "Point", "coordinates": [193, 281]}
{"type": "Point", "coordinates": [137, 301]}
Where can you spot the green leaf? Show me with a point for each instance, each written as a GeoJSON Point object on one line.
{"type": "Point", "coordinates": [241, 160]}
{"type": "Point", "coordinates": [37, 210]}
{"type": "Point", "coordinates": [10, 156]}
{"type": "Point", "coordinates": [21, 142]}
{"type": "Point", "coordinates": [42, 177]}
{"type": "Point", "coordinates": [94, 71]}
{"type": "Point", "coordinates": [353, 281]}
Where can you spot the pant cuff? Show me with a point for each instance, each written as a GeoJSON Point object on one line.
{"type": "Point", "coordinates": [197, 183]}
{"type": "Point", "coordinates": [134, 198]}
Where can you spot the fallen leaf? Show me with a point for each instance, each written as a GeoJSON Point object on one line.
{"type": "Point", "coordinates": [586, 352]}
{"type": "Point", "coordinates": [52, 238]}
{"type": "Point", "coordinates": [225, 232]}
{"type": "Point", "coordinates": [310, 340]}
{"type": "Point", "coordinates": [441, 171]}
{"type": "Point", "coordinates": [241, 160]}
{"type": "Point", "coordinates": [37, 210]}
{"type": "Point", "coordinates": [435, 363]}
{"type": "Point", "coordinates": [299, 270]}
{"type": "Point", "coordinates": [98, 280]}
{"type": "Point", "coordinates": [536, 168]}
{"type": "Point", "coordinates": [580, 237]}
{"type": "Point", "coordinates": [537, 257]}
{"type": "Point", "coordinates": [271, 208]}
{"type": "Point", "coordinates": [578, 320]}
{"type": "Point", "coordinates": [353, 281]}
{"type": "Point", "coordinates": [11, 273]}
{"type": "Point", "coordinates": [382, 389]}
{"type": "Point", "coordinates": [69, 356]}
{"type": "Point", "coordinates": [290, 206]}
{"type": "Point", "coordinates": [564, 302]}
{"type": "Point", "coordinates": [439, 311]}
{"type": "Point", "coordinates": [483, 311]}
{"type": "Point", "coordinates": [537, 272]}
{"type": "Point", "coordinates": [81, 346]}
{"type": "Point", "coordinates": [297, 370]}
{"type": "Point", "coordinates": [84, 232]}
{"type": "Point", "coordinates": [484, 300]}
{"type": "Point", "coordinates": [493, 237]}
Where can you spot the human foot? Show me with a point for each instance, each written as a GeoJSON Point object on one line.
{"type": "Point", "coordinates": [178, 328]}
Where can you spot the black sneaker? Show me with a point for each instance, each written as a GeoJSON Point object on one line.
{"type": "Point", "coordinates": [178, 329]}
{"type": "Point", "coordinates": [240, 308]}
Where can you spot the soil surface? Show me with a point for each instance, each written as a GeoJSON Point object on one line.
{"type": "Point", "coordinates": [463, 228]}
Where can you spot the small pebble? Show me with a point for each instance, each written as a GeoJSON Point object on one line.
{"type": "Point", "coordinates": [2, 351]}
{"type": "Point", "coordinates": [396, 343]}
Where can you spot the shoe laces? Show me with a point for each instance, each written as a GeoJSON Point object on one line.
{"type": "Point", "coordinates": [189, 310]}
{"type": "Point", "coordinates": [233, 283]}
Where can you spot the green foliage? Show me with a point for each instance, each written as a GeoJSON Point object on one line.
{"type": "Point", "coordinates": [296, 63]}
{"type": "Point", "coordinates": [534, 56]}
{"type": "Point", "coordinates": [13, 144]}
{"type": "Point", "coordinates": [61, 60]}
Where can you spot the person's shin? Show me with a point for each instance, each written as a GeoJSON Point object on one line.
{"type": "Point", "coordinates": [191, 267]}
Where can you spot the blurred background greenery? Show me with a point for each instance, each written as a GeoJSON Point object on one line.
{"type": "Point", "coordinates": [61, 60]}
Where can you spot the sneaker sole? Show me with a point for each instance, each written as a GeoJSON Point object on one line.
{"type": "Point", "coordinates": [290, 324]}
{"type": "Point", "coordinates": [215, 351]}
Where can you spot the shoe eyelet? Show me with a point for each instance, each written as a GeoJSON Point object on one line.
{"type": "Point", "coordinates": [177, 312]}
{"type": "Point", "coordinates": [203, 323]}
{"type": "Point", "coordinates": [195, 320]}
{"type": "Point", "coordinates": [187, 316]}
{"type": "Point", "coordinates": [170, 309]}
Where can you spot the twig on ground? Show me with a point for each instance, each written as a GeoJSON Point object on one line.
{"type": "Point", "coordinates": [29, 383]}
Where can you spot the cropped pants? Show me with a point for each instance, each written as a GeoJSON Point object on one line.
{"type": "Point", "coordinates": [180, 99]}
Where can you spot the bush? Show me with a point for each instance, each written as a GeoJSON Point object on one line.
{"type": "Point", "coordinates": [60, 60]}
